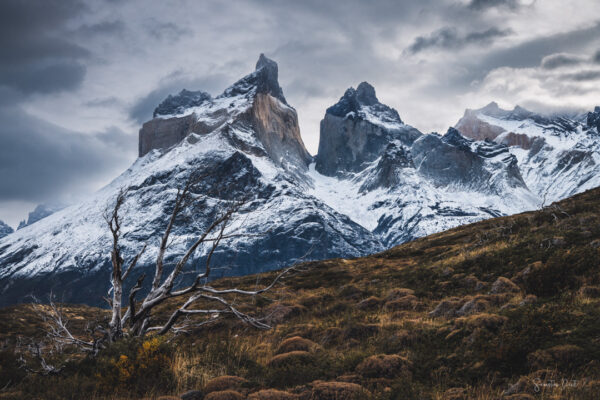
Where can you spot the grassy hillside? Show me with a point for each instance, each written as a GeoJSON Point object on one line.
{"type": "Point", "coordinates": [504, 308]}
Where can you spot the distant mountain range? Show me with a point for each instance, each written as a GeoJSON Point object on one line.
{"type": "Point", "coordinates": [376, 182]}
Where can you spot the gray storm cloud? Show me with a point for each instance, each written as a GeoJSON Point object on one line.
{"type": "Point", "coordinates": [78, 77]}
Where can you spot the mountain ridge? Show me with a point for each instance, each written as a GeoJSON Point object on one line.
{"type": "Point", "coordinates": [376, 182]}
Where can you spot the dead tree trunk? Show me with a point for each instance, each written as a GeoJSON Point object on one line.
{"type": "Point", "coordinates": [193, 301]}
{"type": "Point", "coordinates": [138, 316]}
{"type": "Point", "coordinates": [118, 276]}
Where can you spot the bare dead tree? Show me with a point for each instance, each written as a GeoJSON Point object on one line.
{"type": "Point", "coordinates": [118, 275]}
{"type": "Point", "coordinates": [198, 298]}
{"type": "Point", "coordinates": [190, 302]}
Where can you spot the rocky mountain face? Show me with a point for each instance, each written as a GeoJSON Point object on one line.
{"type": "Point", "coordinates": [247, 142]}
{"type": "Point", "coordinates": [558, 155]}
{"type": "Point", "coordinates": [356, 130]}
{"type": "Point", "coordinates": [5, 229]}
{"type": "Point", "coordinates": [375, 182]}
{"type": "Point", "coordinates": [255, 101]}
{"type": "Point", "coordinates": [401, 184]}
{"type": "Point", "coordinates": [40, 211]}
{"type": "Point", "coordinates": [593, 119]}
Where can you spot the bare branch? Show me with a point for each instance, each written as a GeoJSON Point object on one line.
{"type": "Point", "coordinates": [133, 263]}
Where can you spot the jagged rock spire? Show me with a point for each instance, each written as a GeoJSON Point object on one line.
{"type": "Point", "coordinates": [267, 74]}
{"type": "Point", "coordinates": [365, 94]}
{"type": "Point", "coordinates": [356, 131]}
{"type": "Point", "coordinates": [593, 119]}
{"type": "Point", "coordinates": [178, 103]}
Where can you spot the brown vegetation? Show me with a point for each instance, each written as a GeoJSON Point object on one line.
{"type": "Point", "coordinates": [503, 310]}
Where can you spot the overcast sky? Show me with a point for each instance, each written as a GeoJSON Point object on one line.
{"type": "Point", "coordinates": [77, 77]}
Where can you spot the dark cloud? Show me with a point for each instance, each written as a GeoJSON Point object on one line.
{"type": "Point", "coordinates": [165, 30]}
{"type": "Point", "coordinates": [582, 76]}
{"type": "Point", "coordinates": [116, 138]}
{"type": "Point", "coordinates": [122, 50]}
{"type": "Point", "coordinates": [527, 54]}
{"type": "Point", "coordinates": [101, 28]}
{"type": "Point", "coordinates": [449, 38]}
{"type": "Point", "coordinates": [596, 57]}
{"type": "Point", "coordinates": [111, 101]}
{"type": "Point", "coordinates": [35, 58]}
{"type": "Point", "coordinates": [37, 77]}
{"type": "Point", "coordinates": [531, 52]}
{"type": "Point", "coordinates": [485, 4]}
{"type": "Point", "coordinates": [142, 109]}
{"type": "Point", "coordinates": [41, 161]}
{"type": "Point", "coordinates": [560, 60]}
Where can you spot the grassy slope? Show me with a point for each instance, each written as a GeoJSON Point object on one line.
{"type": "Point", "coordinates": [542, 325]}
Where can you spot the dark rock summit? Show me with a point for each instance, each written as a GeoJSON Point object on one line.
{"type": "Point", "coordinates": [356, 131]}
{"type": "Point", "coordinates": [265, 80]}
{"type": "Point", "coordinates": [254, 103]}
{"type": "Point", "coordinates": [5, 229]}
{"type": "Point", "coordinates": [268, 78]}
{"type": "Point", "coordinates": [354, 100]}
{"type": "Point", "coordinates": [593, 119]}
{"type": "Point", "coordinates": [177, 104]}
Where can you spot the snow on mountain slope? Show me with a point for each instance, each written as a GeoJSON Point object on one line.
{"type": "Point", "coordinates": [68, 252]}
{"type": "Point", "coordinates": [375, 182]}
{"type": "Point", "coordinates": [401, 184]}
{"type": "Point", "coordinates": [5, 229]}
{"type": "Point", "coordinates": [558, 155]}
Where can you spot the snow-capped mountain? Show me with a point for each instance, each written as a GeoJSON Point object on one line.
{"type": "Point", "coordinates": [248, 140]}
{"type": "Point", "coordinates": [558, 155]}
{"type": "Point", "coordinates": [374, 183]}
{"type": "Point", "coordinates": [401, 184]}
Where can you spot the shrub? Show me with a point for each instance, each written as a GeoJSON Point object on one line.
{"type": "Point", "coordinates": [567, 355]}
{"type": "Point", "coordinates": [338, 390]}
{"type": "Point", "coordinates": [369, 303]}
{"type": "Point", "coordinates": [359, 331]}
{"type": "Point", "coordinates": [134, 368]}
{"type": "Point", "coordinates": [291, 358]}
{"type": "Point", "coordinates": [397, 293]}
{"type": "Point", "coordinates": [408, 302]}
{"type": "Point", "coordinates": [296, 343]}
{"type": "Point", "coordinates": [272, 394]}
{"type": "Point", "coordinates": [296, 368]}
{"type": "Point", "coordinates": [447, 307]}
{"type": "Point", "coordinates": [504, 285]}
{"type": "Point", "coordinates": [224, 395]}
{"type": "Point", "coordinates": [384, 366]}
{"type": "Point", "coordinates": [223, 383]}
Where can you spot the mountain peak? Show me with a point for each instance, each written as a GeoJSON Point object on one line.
{"type": "Point", "coordinates": [493, 110]}
{"type": "Point", "coordinates": [356, 131]}
{"type": "Point", "coordinates": [455, 138]}
{"type": "Point", "coordinates": [593, 119]}
{"type": "Point", "coordinates": [5, 229]}
{"type": "Point", "coordinates": [354, 100]}
{"type": "Point", "coordinates": [365, 94]}
{"type": "Point", "coordinates": [521, 113]}
{"type": "Point", "coordinates": [267, 74]}
{"type": "Point", "coordinates": [264, 61]}
{"type": "Point", "coordinates": [264, 79]}
{"type": "Point", "coordinates": [176, 104]}
{"type": "Point", "coordinates": [492, 105]}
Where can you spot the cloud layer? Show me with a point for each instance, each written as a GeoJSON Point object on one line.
{"type": "Point", "coordinates": [78, 77]}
